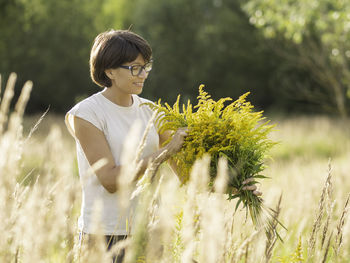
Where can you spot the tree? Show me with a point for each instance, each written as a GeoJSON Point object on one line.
{"type": "Point", "coordinates": [48, 42]}
{"type": "Point", "coordinates": [319, 33]}
{"type": "Point", "coordinates": [202, 41]}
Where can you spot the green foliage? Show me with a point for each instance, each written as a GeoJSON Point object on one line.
{"type": "Point", "coordinates": [315, 148]}
{"type": "Point", "coordinates": [217, 45]}
{"type": "Point", "coordinates": [320, 31]}
{"type": "Point", "coordinates": [49, 42]}
{"type": "Point", "coordinates": [234, 132]}
{"type": "Point", "coordinates": [298, 19]}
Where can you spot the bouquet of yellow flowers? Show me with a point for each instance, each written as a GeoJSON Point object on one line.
{"type": "Point", "coordinates": [234, 132]}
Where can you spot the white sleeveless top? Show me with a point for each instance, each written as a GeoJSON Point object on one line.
{"type": "Point", "coordinates": [115, 122]}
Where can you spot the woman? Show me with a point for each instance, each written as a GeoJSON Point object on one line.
{"type": "Point", "coordinates": [120, 62]}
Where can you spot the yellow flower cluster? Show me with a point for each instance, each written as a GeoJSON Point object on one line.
{"type": "Point", "coordinates": [233, 131]}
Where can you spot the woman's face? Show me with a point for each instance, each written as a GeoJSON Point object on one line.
{"type": "Point", "coordinates": [123, 81]}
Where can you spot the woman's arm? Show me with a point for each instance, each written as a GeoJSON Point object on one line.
{"type": "Point", "coordinates": [95, 147]}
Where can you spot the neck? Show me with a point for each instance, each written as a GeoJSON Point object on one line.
{"type": "Point", "coordinates": [119, 98]}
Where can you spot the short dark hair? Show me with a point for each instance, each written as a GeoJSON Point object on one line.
{"type": "Point", "coordinates": [113, 48]}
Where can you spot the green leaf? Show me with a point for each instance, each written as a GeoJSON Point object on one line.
{"type": "Point", "coordinates": [238, 203]}
{"type": "Point", "coordinates": [261, 176]}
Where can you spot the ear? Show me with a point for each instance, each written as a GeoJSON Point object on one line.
{"type": "Point", "coordinates": [109, 73]}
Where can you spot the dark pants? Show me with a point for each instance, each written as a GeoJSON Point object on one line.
{"type": "Point", "coordinates": [110, 240]}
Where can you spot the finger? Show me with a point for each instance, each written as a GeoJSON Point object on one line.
{"type": "Point", "coordinates": [257, 193]}
{"type": "Point", "coordinates": [249, 187]}
{"type": "Point", "coordinates": [182, 131]}
{"type": "Point", "coordinates": [185, 130]}
{"type": "Point", "coordinates": [247, 181]}
{"type": "Point", "coordinates": [183, 134]}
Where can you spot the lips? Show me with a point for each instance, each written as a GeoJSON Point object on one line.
{"type": "Point", "coordinates": [140, 84]}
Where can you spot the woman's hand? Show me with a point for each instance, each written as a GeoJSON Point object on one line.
{"type": "Point", "coordinates": [248, 187]}
{"type": "Point", "coordinates": [170, 149]}
{"type": "Point", "coordinates": [177, 141]}
{"type": "Point", "coordinates": [251, 187]}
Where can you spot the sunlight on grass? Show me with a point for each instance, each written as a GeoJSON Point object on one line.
{"type": "Point", "coordinates": [41, 197]}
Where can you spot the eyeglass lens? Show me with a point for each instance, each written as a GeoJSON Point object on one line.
{"type": "Point", "coordinates": [136, 70]}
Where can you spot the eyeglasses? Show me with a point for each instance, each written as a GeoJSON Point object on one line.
{"type": "Point", "coordinates": [137, 69]}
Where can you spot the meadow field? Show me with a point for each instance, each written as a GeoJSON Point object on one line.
{"type": "Point", "coordinates": [308, 187]}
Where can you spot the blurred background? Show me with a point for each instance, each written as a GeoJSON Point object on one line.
{"type": "Point", "coordinates": [293, 58]}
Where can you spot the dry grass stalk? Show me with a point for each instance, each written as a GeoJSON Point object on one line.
{"type": "Point", "coordinates": [240, 252]}
{"type": "Point", "coordinates": [271, 234]}
{"type": "Point", "coordinates": [23, 98]}
{"type": "Point", "coordinates": [6, 100]}
{"type": "Point", "coordinates": [15, 122]}
{"type": "Point", "coordinates": [212, 232]}
{"type": "Point", "coordinates": [168, 212]}
{"type": "Point", "coordinates": [36, 125]}
{"type": "Point", "coordinates": [212, 235]}
{"type": "Point", "coordinates": [119, 246]}
{"type": "Point", "coordinates": [327, 249]}
{"type": "Point", "coordinates": [196, 189]}
{"type": "Point", "coordinates": [220, 183]}
{"type": "Point", "coordinates": [146, 225]}
{"type": "Point", "coordinates": [128, 168]}
{"type": "Point", "coordinates": [11, 132]}
{"type": "Point", "coordinates": [140, 226]}
{"type": "Point", "coordinates": [32, 211]}
{"type": "Point", "coordinates": [320, 213]}
{"type": "Point", "coordinates": [246, 256]}
{"type": "Point", "coordinates": [93, 250]}
{"type": "Point", "coordinates": [155, 228]}
{"type": "Point", "coordinates": [329, 209]}
{"type": "Point", "coordinates": [230, 240]}
{"type": "Point", "coordinates": [39, 220]}
{"type": "Point", "coordinates": [339, 236]}
{"type": "Point", "coordinates": [142, 144]}
{"type": "Point", "coordinates": [143, 192]}
{"type": "Point", "coordinates": [187, 232]}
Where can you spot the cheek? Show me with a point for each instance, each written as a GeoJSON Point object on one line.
{"type": "Point", "coordinates": [124, 80]}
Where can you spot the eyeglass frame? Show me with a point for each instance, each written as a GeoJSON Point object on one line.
{"type": "Point", "coordinates": [142, 68]}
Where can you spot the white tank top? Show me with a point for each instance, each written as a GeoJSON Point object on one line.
{"type": "Point", "coordinates": [115, 122]}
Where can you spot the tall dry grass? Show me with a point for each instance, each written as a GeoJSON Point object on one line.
{"type": "Point", "coordinates": [40, 193]}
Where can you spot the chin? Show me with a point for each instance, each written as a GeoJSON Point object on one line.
{"type": "Point", "coordinates": [139, 91]}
